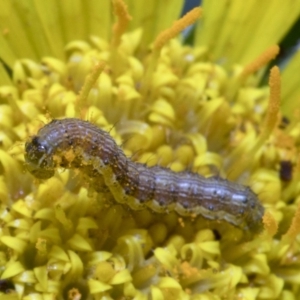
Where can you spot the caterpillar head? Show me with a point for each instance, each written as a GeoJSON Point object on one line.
{"type": "Point", "coordinates": [38, 160]}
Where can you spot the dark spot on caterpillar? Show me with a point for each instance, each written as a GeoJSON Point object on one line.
{"type": "Point", "coordinates": [161, 203]}
{"type": "Point", "coordinates": [127, 190]}
{"type": "Point", "coordinates": [138, 186]}
{"type": "Point", "coordinates": [185, 205]}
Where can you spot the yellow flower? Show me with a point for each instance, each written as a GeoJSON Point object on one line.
{"type": "Point", "coordinates": [201, 108]}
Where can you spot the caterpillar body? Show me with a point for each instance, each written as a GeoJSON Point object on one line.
{"type": "Point", "coordinates": [74, 143]}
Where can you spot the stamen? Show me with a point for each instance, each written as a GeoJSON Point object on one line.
{"type": "Point", "coordinates": [294, 229]}
{"type": "Point", "coordinates": [89, 82]}
{"type": "Point", "coordinates": [188, 19]}
{"type": "Point", "coordinates": [262, 60]}
{"type": "Point", "coordinates": [121, 12]}
{"type": "Point", "coordinates": [274, 105]}
{"type": "Point", "coordinates": [270, 122]}
{"type": "Point", "coordinates": [165, 36]}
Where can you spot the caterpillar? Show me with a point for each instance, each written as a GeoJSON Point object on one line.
{"type": "Point", "coordinates": [74, 143]}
